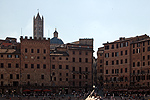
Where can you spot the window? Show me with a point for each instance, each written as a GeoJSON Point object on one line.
{"type": "Point", "coordinates": [60, 58]}
{"type": "Point", "coordinates": [126, 44]}
{"type": "Point", "coordinates": [112, 71]}
{"type": "Point", "coordinates": [67, 66]}
{"type": "Point", "coordinates": [79, 76]}
{"type": "Point", "coordinates": [143, 49]}
{"type": "Point", "coordinates": [32, 51]}
{"type": "Point", "coordinates": [117, 46]}
{"type": "Point", "coordinates": [112, 54]}
{"type": "Point", "coordinates": [121, 61]}
{"type": "Point", "coordinates": [126, 52]}
{"type": "Point", "coordinates": [86, 53]}
{"type": "Point", "coordinates": [148, 57]}
{"type": "Point", "coordinates": [138, 64]}
{"type": "Point", "coordinates": [148, 49]}
{"type": "Point", "coordinates": [116, 54]}
{"type": "Point", "coordinates": [54, 78]}
{"type": "Point", "coordinates": [9, 65]}
{"type": "Point", "coordinates": [38, 51]}
{"type": "Point", "coordinates": [117, 62]}
{"type": "Point", "coordinates": [137, 50]}
{"type": "Point", "coordinates": [73, 52]}
{"type": "Point", "coordinates": [138, 44]}
{"type": "Point", "coordinates": [106, 71]}
{"type": "Point", "coordinates": [73, 68]}
{"type": "Point", "coordinates": [80, 60]}
{"type": "Point", "coordinates": [133, 51]}
{"type": "Point", "coordinates": [100, 61]}
{"type": "Point", "coordinates": [38, 66]}
{"type": "Point", "coordinates": [86, 69]}
{"type": "Point", "coordinates": [9, 56]}
{"type": "Point", "coordinates": [86, 60]}
{"type": "Point", "coordinates": [16, 56]}
{"type": "Point", "coordinates": [17, 76]}
{"type": "Point", "coordinates": [133, 45]}
{"type": "Point", "coordinates": [17, 65]}
{"type": "Point", "coordinates": [44, 51]}
{"type": "Point", "coordinates": [121, 70]}
{"type": "Point", "coordinates": [101, 71]}
{"type": "Point", "coordinates": [60, 66]}
{"type": "Point", "coordinates": [143, 57]}
{"type": "Point", "coordinates": [80, 52]}
{"type": "Point", "coordinates": [112, 47]}
{"type": "Point", "coordinates": [26, 50]}
{"type": "Point", "coordinates": [2, 65]}
{"type": "Point", "coordinates": [106, 55]}
{"type": "Point", "coordinates": [11, 76]}
{"type": "Point", "coordinates": [138, 71]}
{"type": "Point", "coordinates": [44, 66]}
{"type": "Point", "coordinates": [107, 47]}
{"type": "Point", "coordinates": [126, 61]}
{"type": "Point", "coordinates": [143, 43]}
{"type": "Point", "coordinates": [133, 64]}
{"type": "Point", "coordinates": [100, 65]}
{"type": "Point", "coordinates": [126, 79]}
{"type": "Point", "coordinates": [148, 42]}
{"type": "Point", "coordinates": [53, 58]}
{"type": "Point", "coordinates": [38, 57]}
{"type": "Point", "coordinates": [66, 74]}
{"type": "Point", "coordinates": [28, 76]}
{"type": "Point", "coordinates": [73, 76]}
{"type": "Point", "coordinates": [32, 65]}
{"type": "Point", "coordinates": [44, 57]}
{"type": "Point", "coordinates": [121, 53]}
{"type": "Point", "coordinates": [26, 65]}
{"type": "Point", "coordinates": [143, 63]}
{"type": "Point", "coordinates": [112, 62]}
{"type": "Point", "coordinates": [53, 73]}
{"type": "Point", "coordinates": [133, 72]}
{"type": "Point", "coordinates": [80, 70]}
{"type": "Point", "coordinates": [86, 76]}
{"type": "Point", "coordinates": [53, 66]}
{"type": "Point", "coordinates": [2, 76]}
{"type": "Point", "coordinates": [73, 59]}
{"type": "Point", "coordinates": [125, 70]}
{"type": "Point", "coordinates": [106, 62]}
{"type": "Point", "coordinates": [60, 74]}
{"type": "Point", "coordinates": [42, 76]}
{"type": "Point", "coordinates": [1, 55]}
{"type": "Point", "coordinates": [116, 71]}
{"type": "Point", "coordinates": [66, 79]}
{"type": "Point", "coordinates": [66, 58]}
{"type": "Point", "coordinates": [73, 83]}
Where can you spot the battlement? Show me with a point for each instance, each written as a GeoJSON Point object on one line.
{"type": "Point", "coordinates": [86, 41]}
{"type": "Point", "coordinates": [34, 39]}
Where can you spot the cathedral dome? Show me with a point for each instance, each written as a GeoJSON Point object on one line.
{"type": "Point", "coordinates": [55, 39]}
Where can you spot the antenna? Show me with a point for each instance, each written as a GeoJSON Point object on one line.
{"type": "Point", "coordinates": [38, 10]}
{"type": "Point", "coordinates": [21, 31]}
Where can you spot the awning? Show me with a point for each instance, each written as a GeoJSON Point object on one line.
{"type": "Point", "coordinates": [37, 90]}
{"type": "Point", "coordinates": [46, 90]}
{"type": "Point", "coordinates": [26, 90]}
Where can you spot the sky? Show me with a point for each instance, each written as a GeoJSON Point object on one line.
{"type": "Point", "coordinates": [102, 20]}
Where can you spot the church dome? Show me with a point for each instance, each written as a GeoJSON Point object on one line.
{"type": "Point", "coordinates": [55, 39]}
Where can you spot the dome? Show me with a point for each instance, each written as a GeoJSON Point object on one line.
{"type": "Point", "coordinates": [56, 40]}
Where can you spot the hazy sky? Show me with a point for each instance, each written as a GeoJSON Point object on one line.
{"type": "Point", "coordinates": [102, 20]}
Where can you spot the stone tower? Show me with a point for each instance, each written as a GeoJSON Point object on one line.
{"type": "Point", "coordinates": [38, 26]}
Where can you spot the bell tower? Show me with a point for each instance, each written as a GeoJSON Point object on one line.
{"type": "Point", "coordinates": [38, 26]}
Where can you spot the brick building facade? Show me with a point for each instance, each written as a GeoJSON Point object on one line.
{"type": "Point", "coordinates": [32, 64]}
{"type": "Point", "coordinates": [125, 64]}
